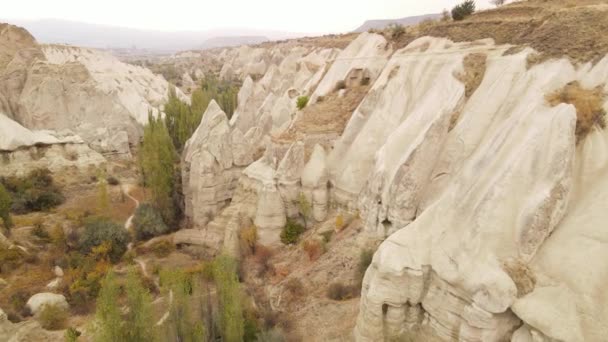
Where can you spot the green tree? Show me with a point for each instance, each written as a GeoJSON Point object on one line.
{"type": "Point", "coordinates": [107, 314]}
{"type": "Point", "coordinates": [187, 316]}
{"type": "Point", "coordinates": [139, 317]}
{"type": "Point", "coordinates": [229, 293]}
{"type": "Point", "coordinates": [158, 158]}
{"type": "Point", "coordinates": [147, 223]}
{"type": "Point", "coordinates": [463, 10]}
{"type": "Point", "coordinates": [5, 208]}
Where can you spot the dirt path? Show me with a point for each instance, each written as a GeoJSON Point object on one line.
{"type": "Point", "coordinates": [126, 189]}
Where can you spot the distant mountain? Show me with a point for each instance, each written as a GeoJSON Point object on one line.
{"type": "Point", "coordinates": [233, 41]}
{"type": "Point", "coordinates": [383, 23]}
{"type": "Point", "coordinates": [54, 31]}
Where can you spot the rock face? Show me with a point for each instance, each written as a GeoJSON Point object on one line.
{"type": "Point", "coordinates": [89, 92]}
{"type": "Point", "coordinates": [481, 214]}
{"type": "Point", "coordinates": [22, 150]}
{"type": "Point", "coordinates": [490, 210]}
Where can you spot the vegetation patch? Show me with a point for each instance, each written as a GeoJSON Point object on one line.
{"type": "Point", "coordinates": [101, 231]}
{"type": "Point", "coordinates": [291, 232]}
{"type": "Point", "coordinates": [34, 192]}
{"type": "Point", "coordinates": [53, 317]}
{"type": "Point", "coordinates": [147, 223]}
{"type": "Point", "coordinates": [590, 113]}
{"type": "Point", "coordinates": [301, 102]}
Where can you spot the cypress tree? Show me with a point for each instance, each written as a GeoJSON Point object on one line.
{"type": "Point", "coordinates": [107, 314]}
{"type": "Point", "coordinates": [231, 311]}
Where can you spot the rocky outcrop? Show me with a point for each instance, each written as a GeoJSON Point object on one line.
{"type": "Point", "coordinates": [89, 92]}
{"type": "Point", "coordinates": [484, 196]}
{"type": "Point", "coordinates": [22, 150]}
{"type": "Point", "coordinates": [474, 212]}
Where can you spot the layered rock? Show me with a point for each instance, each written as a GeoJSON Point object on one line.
{"type": "Point", "coordinates": [22, 150]}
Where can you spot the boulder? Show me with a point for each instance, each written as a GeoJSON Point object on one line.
{"type": "Point", "coordinates": [39, 300]}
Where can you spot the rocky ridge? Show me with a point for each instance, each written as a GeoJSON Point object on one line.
{"type": "Point", "coordinates": [488, 200]}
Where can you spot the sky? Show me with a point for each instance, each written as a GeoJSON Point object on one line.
{"type": "Point", "coordinates": [309, 16]}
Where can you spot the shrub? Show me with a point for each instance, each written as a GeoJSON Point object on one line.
{"type": "Point", "coordinates": [5, 208]}
{"type": "Point", "coordinates": [262, 256]}
{"type": "Point", "coordinates": [71, 335]}
{"type": "Point", "coordinates": [327, 236]}
{"type": "Point", "coordinates": [148, 223]}
{"type": "Point", "coordinates": [248, 238]}
{"type": "Point", "coordinates": [339, 291]}
{"type": "Point", "coordinates": [498, 3]}
{"type": "Point", "coordinates": [113, 181]}
{"type": "Point", "coordinates": [365, 259]}
{"type": "Point", "coordinates": [100, 230]}
{"type": "Point", "coordinates": [339, 222]}
{"type": "Point", "coordinates": [40, 232]}
{"type": "Point", "coordinates": [302, 102]}
{"type": "Point", "coordinates": [53, 317]}
{"type": "Point", "coordinates": [162, 248]}
{"type": "Point", "coordinates": [463, 10]}
{"type": "Point", "coordinates": [10, 258]}
{"type": "Point", "coordinates": [313, 248]}
{"type": "Point", "coordinates": [588, 103]}
{"type": "Point", "coordinates": [291, 232]}
{"type": "Point", "coordinates": [396, 30]}
{"type": "Point", "coordinates": [35, 192]}
{"type": "Point", "coordinates": [295, 287]}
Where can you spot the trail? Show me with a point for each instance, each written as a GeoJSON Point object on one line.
{"type": "Point", "coordinates": [126, 189]}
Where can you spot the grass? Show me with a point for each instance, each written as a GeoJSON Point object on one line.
{"type": "Point", "coordinates": [590, 113]}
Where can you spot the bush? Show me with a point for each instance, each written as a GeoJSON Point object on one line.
{"type": "Point", "coordinates": [262, 256]}
{"type": "Point", "coordinates": [162, 248]}
{"type": "Point", "coordinates": [295, 287]}
{"type": "Point", "coordinates": [39, 231]}
{"type": "Point", "coordinates": [148, 223]}
{"type": "Point", "coordinates": [100, 230]}
{"type": "Point", "coordinates": [5, 208]}
{"type": "Point", "coordinates": [10, 258]}
{"type": "Point", "coordinates": [463, 10]}
{"type": "Point", "coordinates": [291, 232]}
{"type": "Point", "coordinates": [396, 30]}
{"type": "Point", "coordinates": [71, 335]}
{"type": "Point", "coordinates": [313, 248]}
{"type": "Point", "coordinates": [35, 192]}
{"type": "Point", "coordinates": [248, 238]}
{"type": "Point", "coordinates": [53, 317]}
{"type": "Point", "coordinates": [339, 291]}
{"type": "Point", "coordinates": [302, 102]}
{"type": "Point", "coordinates": [365, 259]}
{"type": "Point", "coordinates": [113, 180]}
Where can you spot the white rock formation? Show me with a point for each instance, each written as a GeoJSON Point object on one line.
{"type": "Point", "coordinates": [90, 92]}
{"type": "Point", "coordinates": [314, 183]}
{"type": "Point", "coordinates": [22, 150]}
{"type": "Point", "coordinates": [481, 213]}
{"type": "Point", "coordinates": [37, 302]}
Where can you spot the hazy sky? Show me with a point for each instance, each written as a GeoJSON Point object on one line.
{"type": "Point", "coordinates": [309, 16]}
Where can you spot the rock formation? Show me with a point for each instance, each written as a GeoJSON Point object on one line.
{"type": "Point", "coordinates": [87, 91]}
{"type": "Point", "coordinates": [478, 183]}
{"type": "Point", "coordinates": [22, 150]}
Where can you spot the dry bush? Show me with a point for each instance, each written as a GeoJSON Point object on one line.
{"type": "Point", "coordinates": [339, 222]}
{"type": "Point", "coordinates": [339, 291]}
{"type": "Point", "coordinates": [53, 317]}
{"type": "Point", "coordinates": [588, 103]}
{"type": "Point", "coordinates": [262, 256]}
{"type": "Point", "coordinates": [248, 238]}
{"type": "Point", "coordinates": [294, 287]}
{"type": "Point", "coordinates": [313, 248]}
{"type": "Point", "coordinates": [162, 248]}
